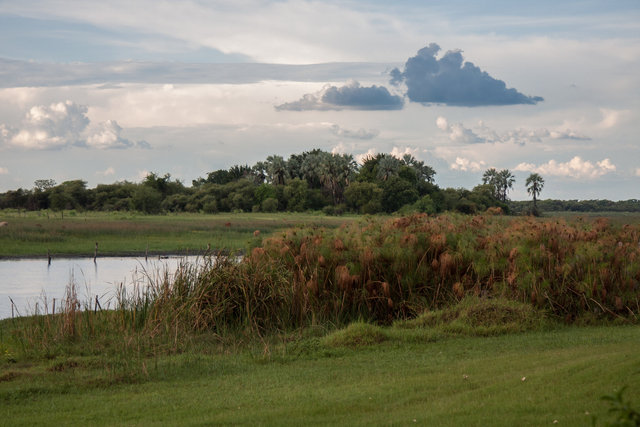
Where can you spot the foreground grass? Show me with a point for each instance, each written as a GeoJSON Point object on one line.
{"type": "Point", "coordinates": [33, 233]}
{"type": "Point", "coordinates": [406, 376]}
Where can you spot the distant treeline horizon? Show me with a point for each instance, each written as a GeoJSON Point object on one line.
{"type": "Point", "coordinates": [315, 180]}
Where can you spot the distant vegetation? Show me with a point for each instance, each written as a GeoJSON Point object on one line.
{"type": "Point", "coordinates": [314, 180]}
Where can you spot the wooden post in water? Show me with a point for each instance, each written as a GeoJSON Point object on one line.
{"type": "Point", "coordinates": [95, 253]}
{"type": "Point", "coordinates": [48, 257]}
{"type": "Point", "coordinates": [146, 253]}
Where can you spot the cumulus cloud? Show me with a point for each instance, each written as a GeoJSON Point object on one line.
{"type": "Point", "coordinates": [107, 135]}
{"type": "Point", "coordinates": [339, 149]}
{"type": "Point", "coordinates": [357, 134]}
{"type": "Point", "coordinates": [574, 168]}
{"type": "Point", "coordinates": [50, 127]}
{"type": "Point", "coordinates": [464, 164]}
{"type": "Point", "coordinates": [450, 80]}
{"type": "Point", "coordinates": [61, 125]}
{"type": "Point", "coordinates": [350, 96]}
{"type": "Point", "coordinates": [458, 133]}
{"type": "Point", "coordinates": [399, 153]}
{"type": "Point", "coordinates": [4, 171]}
{"type": "Point", "coordinates": [360, 158]}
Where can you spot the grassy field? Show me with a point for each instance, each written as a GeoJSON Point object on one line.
{"type": "Point", "coordinates": [363, 375]}
{"type": "Point", "coordinates": [33, 233]}
{"type": "Point", "coordinates": [435, 320]}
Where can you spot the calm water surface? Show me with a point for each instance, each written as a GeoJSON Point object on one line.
{"type": "Point", "coordinates": [30, 281]}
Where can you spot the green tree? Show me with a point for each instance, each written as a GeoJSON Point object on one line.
{"type": "Point", "coordinates": [534, 186]}
{"type": "Point", "coordinates": [506, 180]}
{"type": "Point", "coordinates": [364, 197]}
{"type": "Point", "coordinates": [388, 166]}
{"type": "Point", "coordinates": [501, 182]}
{"type": "Point", "coordinates": [276, 169]}
{"type": "Point", "coordinates": [295, 193]}
{"type": "Point", "coordinates": [147, 199]}
{"type": "Point", "coordinates": [396, 192]}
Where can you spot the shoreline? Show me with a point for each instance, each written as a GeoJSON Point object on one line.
{"type": "Point", "coordinates": [122, 254]}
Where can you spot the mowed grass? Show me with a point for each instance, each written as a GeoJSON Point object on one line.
{"type": "Point", "coordinates": [410, 377]}
{"type": "Point", "coordinates": [35, 233]}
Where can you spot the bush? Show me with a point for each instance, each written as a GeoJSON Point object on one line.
{"type": "Point", "coordinates": [269, 204]}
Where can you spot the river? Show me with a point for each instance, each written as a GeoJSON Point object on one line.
{"type": "Point", "coordinates": [32, 282]}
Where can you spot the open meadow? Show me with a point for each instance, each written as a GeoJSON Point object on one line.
{"type": "Point", "coordinates": [436, 320]}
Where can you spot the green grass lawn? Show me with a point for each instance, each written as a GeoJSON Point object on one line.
{"type": "Point", "coordinates": [33, 233]}
{"type": "Point", "coordinates": [412, 377]}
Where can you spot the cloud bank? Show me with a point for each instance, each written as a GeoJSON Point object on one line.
{"type": "Point", "coordinates": [63, 124]}
{"type": "Point", "coordinates": [350, 96]}
{"type": "Point", "coordinates": [481, 134]}
{"type": "Point", "coordinates": [15, 73]}
{"type": "Point", "coordinates": [449, 80]}
{"type": "Point", "coordinates": [574, 168]}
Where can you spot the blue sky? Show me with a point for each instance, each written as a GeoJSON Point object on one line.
{"type": "Point", "coordinates": [107, 91]}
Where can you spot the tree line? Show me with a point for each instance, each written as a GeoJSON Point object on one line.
{"type": "Point", "coordinates": [312, 180]}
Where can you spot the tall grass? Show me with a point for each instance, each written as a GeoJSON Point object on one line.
{"type": "Point", "coordinates": [377, 270]}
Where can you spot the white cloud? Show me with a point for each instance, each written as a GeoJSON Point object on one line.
{"type": "Point", "coordinates": [463, 164]}
{"type": "Point", "coordinates": [574, 168]}
{"type": "Point", "coordinates": [339, 149]}
{"type": "Point", "coordinates": [399, 152]}
{"type": "Point", "coordinates": [49, 127]}
{"type": "Point", "coordinates": [457, 132]}
{"type": "Point", "coordinates": [63, 124]}
{"type": "Point", "coordinates": [611, 118]}
{"type": "Point", "coordinates": [360, 158]}
{"type": "Point", "coordinates": [276, 32]}
{"type": "Point", "coordinates": [483, 134]}
{"type": "Point", "coordinates": [142, 175]}
{"type": "Point", "coordinates": [4, 171]}
{"type": "Point", "coordinates": [107, 172]}
{"type": "Point", "coordinates": [107, 135]}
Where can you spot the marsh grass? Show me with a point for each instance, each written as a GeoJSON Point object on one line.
{"type": "Point", "coordinates": [33, 233]}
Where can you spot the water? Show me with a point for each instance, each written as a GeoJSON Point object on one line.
{"type": "Point", "coordinates": [28, 282]}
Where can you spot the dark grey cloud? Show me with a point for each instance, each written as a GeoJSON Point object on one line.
{"type": "Point", "coordinates": [350, 96]}
{"type": "Point", "coordinates": [450, 80]}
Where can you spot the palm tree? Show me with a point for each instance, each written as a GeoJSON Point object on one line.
{"type": "Point", "coordinates": [534, 186]}
{"type": "Point", "coordinates": [388, 166]}
{"type": "Point", "coordinates": [490, 177]}
{"type": "Point", "coordinates": [276, 170]}
{"type": "Point", "coordinates": [506, 180]}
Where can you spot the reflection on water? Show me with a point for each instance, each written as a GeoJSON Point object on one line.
{"type": "Point", "coordinates": [31, 282]}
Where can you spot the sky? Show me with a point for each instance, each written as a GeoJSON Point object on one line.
{"type": "Point", "coordinates": [107, 91]}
